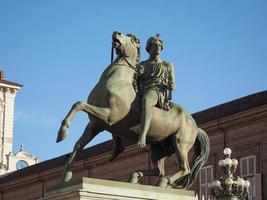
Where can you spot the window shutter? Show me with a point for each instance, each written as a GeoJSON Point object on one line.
{"type": "Point", "coordinates": [209, 175]}
{"type": "Point", "coordinates": [251, 166]}
{"type": "Point", "coordinates": [244, 170]}
{"type": "Point", "coordinates": [202, 176]}
{"type": "Point", "coordinates": [203, 190]}
{"type": "Point", "coordinates": [206, 177]}
{"type": "Point", "coordinates": [248, 171]}
{"type": "Point", "coordinates": [258, 187]}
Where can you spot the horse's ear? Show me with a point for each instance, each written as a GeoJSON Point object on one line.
{"type": "Point", "coordinates": [136, 41]}
{"type": "Point", "coordinates": [134, 38]}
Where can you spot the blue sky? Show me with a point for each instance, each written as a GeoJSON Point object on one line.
{"type": "Point", "coordinates": [58, 49]}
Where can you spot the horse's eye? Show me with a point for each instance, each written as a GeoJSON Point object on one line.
{"type": "Point", "coordinates": [119, 33]}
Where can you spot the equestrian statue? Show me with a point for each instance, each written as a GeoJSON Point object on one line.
{"type": "Point", "coordinates": [132, 102]}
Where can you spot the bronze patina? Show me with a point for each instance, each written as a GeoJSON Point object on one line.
{"type": "Point", "coordinates": [156, 80]}
{"type": "Point", "coordinates": [115, 105]}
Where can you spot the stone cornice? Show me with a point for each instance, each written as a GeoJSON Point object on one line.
{"type": "Point", "coordinates": [232, 107]}
{"type": "Point", "coordinates": [9, 84]}
{"type": "Point", "coordinates": [8, 90]}
{"type": "Point", "coordinates": [236, 119]}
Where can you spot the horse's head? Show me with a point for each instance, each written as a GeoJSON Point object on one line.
{"type": "Point", "coordinates": [127, 46]}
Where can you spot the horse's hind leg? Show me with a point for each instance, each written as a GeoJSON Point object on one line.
{"type": "Point", "coordinates": [181, 150]}
{"type": "Point", "coordinates": [157, 171]}
{"type": "Point", "coordinates": [89, 133]}
{"type": "Point", "coordinates": [158, 163]}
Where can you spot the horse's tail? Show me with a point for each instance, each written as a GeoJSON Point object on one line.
{"type": "Point", "coordinates": [202, 148]}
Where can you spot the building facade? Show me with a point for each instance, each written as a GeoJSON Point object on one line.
{"type": "Point", "coordinates": [240, 125]}
{"type": "Point", "coordinates": [9, 161]}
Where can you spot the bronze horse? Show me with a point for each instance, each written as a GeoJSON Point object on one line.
{"type": "Point", "coordinates": [114, 105]}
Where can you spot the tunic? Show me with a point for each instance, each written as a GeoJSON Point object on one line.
{"type": "Point", "coordinates": [156, 77]}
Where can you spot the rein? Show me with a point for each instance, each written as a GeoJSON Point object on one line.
{"type": "Point", "coordinates": [112, 54]}
{"type": "Point", "coordinates": [123, 56]}
{"type": "Point", "coordinates": [135, 68]}
{"type": "Point", "coordinates": [130, 65]}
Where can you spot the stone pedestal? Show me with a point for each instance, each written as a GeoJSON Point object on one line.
{"type": "Point", "coordinates": [95, 189]}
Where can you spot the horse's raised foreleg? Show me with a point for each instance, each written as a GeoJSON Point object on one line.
{"type": "Point", "coordinates": [89, 133]}
{"type": "Point", "coordinates": [63, 130]}
{"type": "Point", "coordinates": [101, 113]}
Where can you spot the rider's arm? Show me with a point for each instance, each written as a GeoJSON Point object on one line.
{"type": "Point", "coordinates": [172, 77]}
{"type": "Point", "coordinates": [140, 69]}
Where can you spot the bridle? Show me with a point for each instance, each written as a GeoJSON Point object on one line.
{"type": "Point", "coordinates": [131, 66]}
{"type": "Point", "coordinates": [124, 57]}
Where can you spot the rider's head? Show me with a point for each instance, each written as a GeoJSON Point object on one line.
{"type": "Point", "coordinates": [153, 40]}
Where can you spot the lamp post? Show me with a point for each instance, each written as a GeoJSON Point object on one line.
{"type": "Point", "coordinates": [229, 187]}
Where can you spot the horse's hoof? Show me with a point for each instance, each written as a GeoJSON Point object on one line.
{"type": "Point", "coordinates": [164, 182]}
{"type": "Point", "coordinates": [67, 177]}
{"type": "Point", "coordinates": [62, 133]}
{"type": "Point", "coordinates": [141, 144]}
{"type": "Point", "coordinates": [136, 177]}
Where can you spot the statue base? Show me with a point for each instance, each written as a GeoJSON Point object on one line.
{"type": "Point", "coordinates": [94, 189]}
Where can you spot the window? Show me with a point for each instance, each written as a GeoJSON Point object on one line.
{"type": "Point", "coordinates": [248, 172]}
{"type": "Point", "coordinates": [248, 166]}
{"type": "Point", "coordinates": [206, 178]}
{"type": "Point", "coordinates": [21, 164]}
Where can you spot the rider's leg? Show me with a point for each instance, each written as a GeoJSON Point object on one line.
{"type": "Point", "coordinates": [149, 100]}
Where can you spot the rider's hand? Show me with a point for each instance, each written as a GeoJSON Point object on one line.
{"type": "Point", "coordinates": [140, 69]}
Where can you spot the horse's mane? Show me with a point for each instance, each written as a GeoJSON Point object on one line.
{"type": "Point", "coordinates": [136, 74]}
{"type": "Point", "coordinates": [136, 40]}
